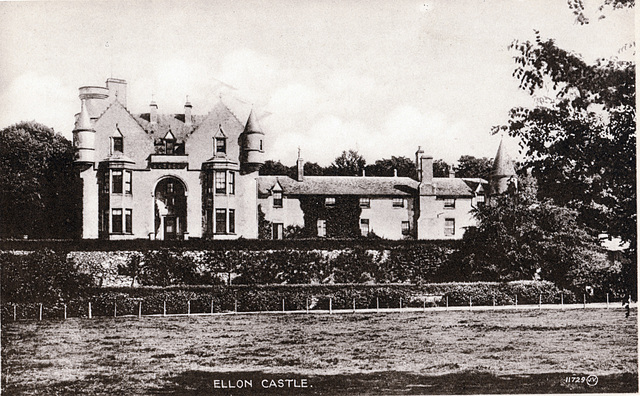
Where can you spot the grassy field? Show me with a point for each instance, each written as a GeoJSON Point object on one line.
{"type": "Point", "coordinates": [392, 353]}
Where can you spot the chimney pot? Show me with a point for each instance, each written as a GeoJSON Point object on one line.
{"type": "Point", "coordinates": [187, 112]}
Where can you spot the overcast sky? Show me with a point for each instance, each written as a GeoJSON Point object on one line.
{"type": "Point", "coordinates": [381, 77]}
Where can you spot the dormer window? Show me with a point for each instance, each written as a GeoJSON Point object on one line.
{"type": "Point", "coordinates": [221, 145]}
{"type": "Point", "coordinates": [118, 145]}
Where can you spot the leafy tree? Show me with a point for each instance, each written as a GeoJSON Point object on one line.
{"type": "Point", "coordinates": [313, 169]}
{"type": "Point", "coordinates": [519, 237]}
{"type": "Point", "coordinates": [349, 163]}
{"type": "Point", "coordinates": [275, 168]}
{"type": "Point", "coordinates": [470, 166]}
{"type": "Point", "coordinates": [385, 167]}
{"type": "Point", "coordinates": [440, 168]}
{"type": "Point", "coordinates": [41, 193]}
{"type": "Point", "coordinates": [580, 142]}
{"type": "Point", "coordinates": [579, 11]}
{"type": "Point", "coordinates": [43, 276]}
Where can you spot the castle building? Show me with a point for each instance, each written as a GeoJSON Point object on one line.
{"type": "Point", "coordinates": [181, 176]}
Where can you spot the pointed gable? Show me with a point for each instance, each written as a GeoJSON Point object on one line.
{"type": "Point", "coordinates": [503, 164]}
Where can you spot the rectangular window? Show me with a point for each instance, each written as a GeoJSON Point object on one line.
{"type": "Point", "coordinates": [449, 227]}
{"type": "Point", "coordinates": [127, 181]}
{"type": "Point", "coordinates": [170, 147]}
{"type": "Point", "coordinates": [322, 228]}
{"type": "Point", "coordinates": [277, 199]}
{"type": "Point", "coordinates": [221, 182]}
{"type": "Point", "coordinates": [116, 181]}
{"type": "Point", "coordinates": [128, 221]}
{"type": "Point", "coordinates": [260, 144]}
{"type": "Point", "coordinates": [208, 180]}
{"type": "Point", "coordinates": [169, 187]}
{"type": "Point", "coordinates": [449, 203]}
{"type": "Point", "coordinates": [278, 231]}
{"type": "Point", "coordinates": [480, 199]}
{"type": "Point", "coordinates": [118, 145]}
{"type": "Point", "coordinates": [221, 145]}
{"type": "Point", "coordinates": [232, 182]}
{"type": "Point", "coordinates": [398, 202]}
{"type": "Point", "coordinates": [116, 221]}
{"type": "Point", "coordinates": [406, 230]}
{"type": "Point", "coordinates": [365, 202]}
{"type": "Point", "coordinates": [364, 227]}
{"type": "Point", "coordinates": [232, 221]}
{"type": "Point", "coordinates": [329, 201]}
{"type": "Point", "coordinates": [221, 221]}
{"type": "Point", "coordinates": [105, 182]}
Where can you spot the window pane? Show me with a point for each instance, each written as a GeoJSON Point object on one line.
{"type": "Point", "coordinates": [449, 203]}
{"type": "Point", "coordinates": [405, 228]}
{"type": "Point", "coordinates": [232, 182]}
{"type": "Point", "coordinates": [329, 201]}
{"type": "Point", "coordinates": [364, 227]}
{"type": "Point", "coordinates": [449, 227]}
{"type": "Point", "coordinates": [116, 221]}
{"type": "Point", "coordinates": [232, 221]}
{"type": "Point", "coordinates": [221, 145]}
{"type": "Point", "coordinates": [221, 221]}
{"type": "Point", "coordinates": [127, 181]}
{"type": "Point", "coordinates": [221, 182]}
{"type": "Point", "coordinates": [365, 202]}
{"type": "Point", "coordinates": [322, 228]}
{"type": "Point", "coordinates": [118, 145]}
{"type": "Point", "coordinates": [116, 187]}
{"type": "Point", "coordinates": [105, 182]}
{"type": "Point", "coordinates": [128, 220]}
{"type": "Point", "coordinates": [277, 199]}
{"type": "Point", "coordinates": [398, 202]}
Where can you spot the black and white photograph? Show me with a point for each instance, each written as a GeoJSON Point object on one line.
{"type": "Point", "coordinates": [318, 197]}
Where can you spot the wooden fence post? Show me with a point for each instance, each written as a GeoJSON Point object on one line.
{"type": "Point", "coordinates": [89, 310]}
{"type": "Point", "coordinates": [607, 300]}
{"type": "Point", "coordinates": [65, 311]}
{"type": "Point", "coordinates": [283, 310]}
{"type": "Point", "coordinates": [188, 307]}
{"type": "Point", "coordinates": [424, 305]}
{"type": "Point", "coordinates": [562, 300]}
{"type": "Point", "coordinates": [164, 308]}
{"type": "Point", "coordinates": [447, 307]}
{"type": "Point", "coordinates": [140, 309]}
{"type": "Point", "coordinates": [115, 309]}
{"type": "Point", "coordinates": [354, 305]}
{"type": "Point", "coordinates": [516, 300]}
{"type": "Point", "coordinates": [377, 304]}
{"type": "Point", "coordinates": [494, 302]}
{"type": "Point", "coordinates": [470, 303]}
{"type": "Point", "coordinates": [400, 302]}
{"type": "Point", "coordinates": [40, 316]}
{"type": "Point", "coordinates": [212, 307]}
{"type": "Point", "coordinates": [584, 301]}
{"type": "Point", "coordinates": [14, 313]}
{"type": "Point", "coordinates": [540, 302]}
{"type": "Point", "coordinates": [235, 305]}
{"type": "Point", "coordinates": [330, 305]}
{"type": "Point", "coordinates": [307, 304]}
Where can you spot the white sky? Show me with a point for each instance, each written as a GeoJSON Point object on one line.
{"type": "Point", "coordinates": [381, 77]}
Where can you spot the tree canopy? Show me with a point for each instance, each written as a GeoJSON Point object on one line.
{"type": "Point", "coordinates": [470, 166]}
{"type": "Point", "coordinates": [40, 191]}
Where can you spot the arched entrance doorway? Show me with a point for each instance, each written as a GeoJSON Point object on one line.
{"type": "Point", "coordinates": [170, 209]}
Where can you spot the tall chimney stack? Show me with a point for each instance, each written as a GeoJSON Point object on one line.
{"type": "Point", "coordinates": [419, 162]}
{"type": "Point", "coordinates": [187, 112]}
{"type": "Point", "coordinates": [300, 167]}
{"type": "Point", "coordinates": [153, 111]}
{"type": "Point", "coordinates": [426, 164]}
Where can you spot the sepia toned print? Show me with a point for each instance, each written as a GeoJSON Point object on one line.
{"type": "Point", "coordinates": [318, 198]}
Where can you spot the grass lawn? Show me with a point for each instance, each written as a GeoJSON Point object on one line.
{"type": "Point", "coordinates": [391, 353]}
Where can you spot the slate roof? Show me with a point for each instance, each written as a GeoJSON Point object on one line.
{"type": "Point", "coordinates": [340, 185]}
{"type": "Point", "coordinates": [503, 164]}
{"type": "Point", "coordinates": [456, 187]}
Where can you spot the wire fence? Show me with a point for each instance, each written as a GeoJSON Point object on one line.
{"type": "Point", "coordinates": [139, 307]}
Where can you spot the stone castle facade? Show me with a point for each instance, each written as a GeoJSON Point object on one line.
{"type": "Point", "coordinates": [180, 176]}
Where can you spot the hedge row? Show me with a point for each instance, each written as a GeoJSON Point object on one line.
{"type": "Point", "coordinates": [125, 300]}
{"type": "Point", "coordinates": [203, 244]}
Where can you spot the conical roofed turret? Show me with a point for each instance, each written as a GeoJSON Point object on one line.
{"type": "Point", "coordinates": [252, 155]}
{"type": "Point", "coordinates": [503, 171]}
{"type": "Point", "coordinates": [84, 135]}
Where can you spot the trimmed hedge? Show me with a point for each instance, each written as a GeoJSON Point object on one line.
{"type": "Point", "coordinates": [269, 298]}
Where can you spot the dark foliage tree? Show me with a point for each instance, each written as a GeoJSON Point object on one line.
{"type": "Point", "coordinates": [577, 6]}
{"type": "Point", "coordinates": [165, 267]}
{"type": "Point", "coordinates": [470, 166]}
{"type": "Point", "coordinates": [40, 192]}
{"type": "Point", "coordinates": [519, 237]}
{"type": "Point", "coordinates": [275, 168]}
{"type": "Point", "coordinates": [313, 169]}
{"type": "Point", "coordinates": [385, 167]}
{"type": "Point", "coordinates": [342, 219]}
{"type": "Point", "coordinates": [580, 143]}
{"type": "Point", "coordinates": [43, 276]}
{"type": "Point", "coordinates": [440, 168]}
{"type": "Point", "coordinates": [349, 163]}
